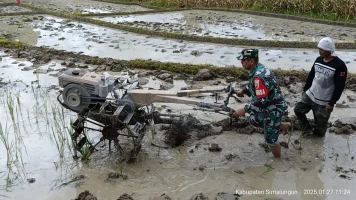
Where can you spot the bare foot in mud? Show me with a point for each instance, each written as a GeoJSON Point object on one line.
{"type": "Point", "coordinates": [285, 127]}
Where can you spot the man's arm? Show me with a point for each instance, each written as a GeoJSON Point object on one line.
{"type": "Point", "coordinates": [339, 82]}
{"type": "Point", "coordinates": [309, 82]}
{"type": "Point", "coordinates": [262, 88]}
{"type": "Point", "coordinates": [246, 90]}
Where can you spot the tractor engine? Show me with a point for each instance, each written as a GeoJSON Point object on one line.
{"type": "Point", "coordinates": [82, 88]}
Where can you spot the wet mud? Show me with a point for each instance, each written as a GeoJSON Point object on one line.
{"type": "Point", "coordinates": [240, 125]}
{"type": "Point", "coordinates": [214, 163]}
{"type": "Point", "coordinates": [82, 6]}
{"type": "Point", "coordinates": [228, 151]}
{"type": "Point", "coordinates": [234, 25]}
{"type": "Point", "coordinates": [13, 9]}
{"type": "Point", "coordinates": [114, 175]}
{"type": "Point", "coordinates": [86, 195]}
{"type": "Point", "coordinates": [93, 40]}
{"type": "Point", "coordinates": [39, 56]}
{"type": "Point", "coordinates": [125, 197]}
{"type": "Point", "coordinates": [183, 129]}
{"type": "Point", "coordinates": [344, 126]}
{"type": "Point", "coordinates": [351, 84]}
{"type": "Point", "coordinates": [162, 197]}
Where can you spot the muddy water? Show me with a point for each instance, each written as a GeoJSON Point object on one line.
{"type": "Point", "coordinates": [29, 93]}
{"type": "Point", "coordinates": [235, 25]}
{"type": "Point", "coordinates": [82, 6]}
{"type": "Point", "coordinates": [103, 42]}
{"type": "Point", "coordinates": [176, 172]}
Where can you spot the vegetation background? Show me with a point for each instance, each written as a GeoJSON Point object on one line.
{"type": "Point", "coordinates": [328, 9]}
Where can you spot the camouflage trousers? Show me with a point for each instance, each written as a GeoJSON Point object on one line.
{"type": "Point", "coordinates": [270, 120]}
{"type": "Point", "coordinates": [321, 116]}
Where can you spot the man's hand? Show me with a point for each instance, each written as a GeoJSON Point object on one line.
{"type": "Point", "coordinates": [239, 113]}
{"type": "Point", "coordinates": [329, 108]}
{"type": "Point", "coordinates": [240, 93]}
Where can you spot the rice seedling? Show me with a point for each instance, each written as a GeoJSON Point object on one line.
{"type": "Point", "coordinates": [17, 95]}
{"type": "Point", "coordinates": [14, 111]}
{"type": "Point", "coordinates": [71, 145]}
{"type": "Point", "coordinates": [159, 109]}
{"type": "Point", "coordinates": [46, 111]}
{"type": "Point", "coordinates": [51, 119]}
{"type": "Point", "coordinates": [57, 137]}
{"type": "Point", "coordinates": [20, 112]}
{"type": "Point", "coordinates": [14, 163]}
{"type": "Point", "coordinates": [4, 136]}
{"type": "Point", "coordinates": [60, 130]}
{"type": "Point", "coordinates": [61, 125]}
{"type": "Point", "coordinates": [121, 168]}
{"type": "Point", "coordinates": [56, 165]}
{"type": "Point", "coordinates": [38, 81]}
{"type": "Point", "coordinates": [153, 131]}
{"type": "Point", "coordinates": [4, 196]}
{"type": "Point", "coordinates": [35, 108]}
{"type": "Point", "coordinates": [86, 152]}
{"type": "Point", "coordinates": [10, 105]}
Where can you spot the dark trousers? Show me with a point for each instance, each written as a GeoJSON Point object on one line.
{"type": "Point", "coordinates": [321, 116]}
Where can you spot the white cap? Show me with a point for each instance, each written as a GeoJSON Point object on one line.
{"type": "Point", "coordinates": [327, 44]}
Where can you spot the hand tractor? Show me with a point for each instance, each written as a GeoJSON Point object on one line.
{"type": "Point", "coordinates": [119, 107]}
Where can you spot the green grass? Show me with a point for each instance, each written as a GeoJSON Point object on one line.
{"type": "Point", "coordinates": [10, 44]}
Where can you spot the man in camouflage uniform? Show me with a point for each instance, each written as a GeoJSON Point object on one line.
{"type": "Point", "coordinates": [268, 105]}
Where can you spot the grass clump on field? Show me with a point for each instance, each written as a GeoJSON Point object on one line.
{"type": "Point", "coordinates": [10, 44]}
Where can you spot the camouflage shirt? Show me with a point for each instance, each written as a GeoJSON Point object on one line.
{"type": "Point", "coordinates": [265, 91]}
